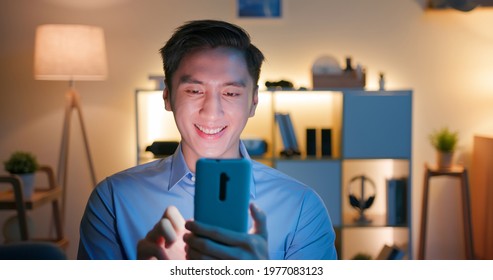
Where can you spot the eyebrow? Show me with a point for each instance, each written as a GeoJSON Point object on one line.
{"type": "Point", "coordinates": [240, 83]}
{"type": "Point", "coordinates": [188, 79]}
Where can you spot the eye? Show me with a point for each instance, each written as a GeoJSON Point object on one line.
{"type": "Point", "coordinates": [231, 94]}
{"type": "Point", "coordinates": [194, 91]}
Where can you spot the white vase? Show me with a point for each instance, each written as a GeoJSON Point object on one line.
{"type": "Point", "coordinates": [28, 184]}
{"type": "Point", "coordinates": [445, 160]}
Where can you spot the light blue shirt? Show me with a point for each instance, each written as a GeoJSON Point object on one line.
{"type": "Point", "coordinates": [125, 206]}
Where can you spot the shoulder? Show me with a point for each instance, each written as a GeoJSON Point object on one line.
{"type": "Point", "coordinates": [139, 175]}
{"type": "Point", "coordinates": [271, 180]}
{"type": "Point", "coordinates": [266, 174]}
{"type": "Point", "coordinates": [155, 166]}
{"type": "Point", "coordinates": [266, 177]}
{"type": "Point", "coordinates": [147, 170]}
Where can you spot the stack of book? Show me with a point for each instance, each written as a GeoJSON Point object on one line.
{"type": "Point", "coordinates": [287, 134]}
{"type": "Point", "coordinates": [391, 253]}
{"type": "Point", "coordinates": [397, 201]}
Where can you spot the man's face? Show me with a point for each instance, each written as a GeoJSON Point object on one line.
{"type": "Point", "coordinates": [213, 96]}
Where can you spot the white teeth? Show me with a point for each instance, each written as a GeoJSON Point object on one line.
{"type": "Point", "coordinates": [210, 130]}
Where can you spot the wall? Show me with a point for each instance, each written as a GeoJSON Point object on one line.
{"type": "Point", "coordinates": [444, 56]}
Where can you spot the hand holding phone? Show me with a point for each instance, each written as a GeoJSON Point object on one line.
{"type": "Point", "coordinates": [222, 193]}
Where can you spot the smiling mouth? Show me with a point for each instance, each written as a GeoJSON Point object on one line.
{"type": "Point", "coordinates": [210, 131]}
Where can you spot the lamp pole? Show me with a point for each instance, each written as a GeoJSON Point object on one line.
{"type": "Point", "coordinates": [72, 102]}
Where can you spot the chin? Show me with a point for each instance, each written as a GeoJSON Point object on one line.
{"type": "Point", "coordinates": [216, 149]}
{"type": "Point", "coordinates": [212, 154]}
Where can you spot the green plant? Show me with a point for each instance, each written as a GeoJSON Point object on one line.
{"type": "Point", "coordinates": [444, 140]}
{"type": "Point", "coordinates": [21, 163]}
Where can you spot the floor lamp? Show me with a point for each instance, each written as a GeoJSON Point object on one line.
{"type": "Point", "coordinates": [70, 53]}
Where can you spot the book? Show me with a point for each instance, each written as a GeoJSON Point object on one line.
{"type": "Point", "coordinates": [397, 201]}
{"type": "Point", "coordinates": [311, 142]}
{"type": "Point", "coordinates": [283, 129]}
{"type": "Point", "coordinates": [390, 253]}
{"type": "Point", "coordinates": [292, 135]}
{"type": "Point", "coordinates": [287, 134]}
{"type": "Point", "coordinates": [326, 142]}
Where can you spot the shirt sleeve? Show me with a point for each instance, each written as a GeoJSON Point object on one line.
{"type": "Point", "coordinates": [314, 237]}
{"type": "Point", "coordinates": [98, 234]}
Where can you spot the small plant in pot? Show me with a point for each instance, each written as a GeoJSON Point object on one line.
{"type": "Point", "coordinates": [445, 143]}
{"type": "Point", "coordinates": [23, 164]}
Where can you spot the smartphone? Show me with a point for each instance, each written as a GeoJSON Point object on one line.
{"type": "Point", "coordinates": [222, 192]}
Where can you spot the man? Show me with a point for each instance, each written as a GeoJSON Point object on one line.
{"type": "Point", "coordinates": [212, 71]}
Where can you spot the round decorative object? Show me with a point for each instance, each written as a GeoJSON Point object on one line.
{"type": "Point", "coordinates": [326, 64]}
{"type": "Point", "coordinates": [12, 231]}
{"type": "Point", "coordinates": [361, 192]}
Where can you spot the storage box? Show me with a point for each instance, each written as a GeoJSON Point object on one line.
{"type": "Point", "coordinates": [344, 80]}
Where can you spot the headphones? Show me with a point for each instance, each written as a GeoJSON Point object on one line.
{"type": "Point", "coordinates": [361, 203]}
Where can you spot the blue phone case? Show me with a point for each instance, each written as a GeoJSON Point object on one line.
{"type": "Point", "coordinates": [222, 193]}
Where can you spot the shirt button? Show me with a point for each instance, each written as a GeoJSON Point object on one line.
{"type": "Point", "coordinates": [193, 178]}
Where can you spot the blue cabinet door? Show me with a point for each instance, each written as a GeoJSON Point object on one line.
{"type": "Point", "coordinates": [377, 124]}
{"type": "Point", "coordinates": [324, 176]}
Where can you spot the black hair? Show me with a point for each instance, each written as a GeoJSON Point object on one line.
{"type": "Point", "coordinates": [201, 34]}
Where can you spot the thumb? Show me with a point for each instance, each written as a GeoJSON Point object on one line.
{"type": "Point", "coordinates": [259, 221]}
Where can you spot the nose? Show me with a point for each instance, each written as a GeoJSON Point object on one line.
{"type": "Point", "coordinates": [212, 107]}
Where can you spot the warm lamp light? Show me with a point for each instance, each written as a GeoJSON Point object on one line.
{"type": "Point", "coordinates": [70, 53]}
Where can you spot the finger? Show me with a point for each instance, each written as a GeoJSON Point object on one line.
{"type": "Point", "coordinates": [173, 214]}
{"type": "Point", "coordinates": [259, 221]}
{"type": "Point", "coordinates": [192, 254]}
{"type": "Point", "coordinates": [167, 230]}
{"type": "Point", "coordinates": [147, 251]}
{"type": "Point", "coordinates": [218, 242]}
{"type": "Point", "coordinates": [218, 234]}
{"type": "Point", "coordinates": [155, 234]}
{"type": "Point", "coordinates": [199, 248]}
{"type": "Point", "coordinates": [162, 233]}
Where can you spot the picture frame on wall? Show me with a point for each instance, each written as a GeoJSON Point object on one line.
{"type": "Point", "coordinates": [259, 8]}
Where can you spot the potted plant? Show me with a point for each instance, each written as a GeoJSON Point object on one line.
{"type": "Point", "coordinates": [23, 164]}
{"type": "Point", "coordinates": [445, 143]}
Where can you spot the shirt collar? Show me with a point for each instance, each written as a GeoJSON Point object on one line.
{"type": "Point", "coordinates": [180, 170]}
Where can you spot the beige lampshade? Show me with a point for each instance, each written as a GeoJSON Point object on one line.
{"type": "Point", "coordinates": [69, 52]}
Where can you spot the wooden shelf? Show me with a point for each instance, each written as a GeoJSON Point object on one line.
{"type": "Point", "coordinates": [376, 221]}
{"type": "Point", "coordinates": [40, 197]}
{"type": "Point", "coordinates": [12, 199]}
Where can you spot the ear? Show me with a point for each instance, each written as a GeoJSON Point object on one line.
{"type": "Point", "coordinates": [167, 100]}
{"type": "Point", "coordinates": [253, 106]}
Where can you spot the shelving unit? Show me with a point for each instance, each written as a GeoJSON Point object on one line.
{"type": "Point", "coordinates": [371, 135]}
{"type": "Point", "coordinates": [12, 199]}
